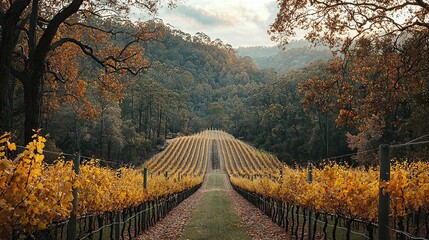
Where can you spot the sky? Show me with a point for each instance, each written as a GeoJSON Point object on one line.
{"type": "Point", "coordinates": [241, 23]}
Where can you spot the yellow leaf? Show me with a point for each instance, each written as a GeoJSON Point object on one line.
{"type": "Point", "coordinates": [39, 158]}
{"type": "Point", "coordinates": [12, 146]}
{"type": "Point", "coordinates": [3, 139]}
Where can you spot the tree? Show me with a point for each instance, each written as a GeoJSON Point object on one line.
{"type": "Point", "coordinates": [368, 90]}
{"type": "Point", "coordinates": [32, 30]}
{"type": "Point", "coordinates": [335, 22]}
{"type": "Point", "coordinates": [382, 65]}
{"type": "Point", "coordinates": [216, 116]}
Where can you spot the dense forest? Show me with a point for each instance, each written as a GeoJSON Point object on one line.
{"type": "Point", "coordinates": [270, 97]}
{"type": "Point", "coordinates": [195, 83]}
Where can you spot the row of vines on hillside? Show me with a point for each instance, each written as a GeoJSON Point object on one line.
{"type": "Point", "coordinates": [243, 160]}
{"type": "Point", "coordinates": [185, 156]}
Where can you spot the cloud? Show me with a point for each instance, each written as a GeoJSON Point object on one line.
{"type": "Point", "coordinates": [200, 15]}
{"type": "Point", "coordinates": [238, 22]}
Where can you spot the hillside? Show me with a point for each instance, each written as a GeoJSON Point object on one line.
{"type": "Point", "coordinates": [295, 55]}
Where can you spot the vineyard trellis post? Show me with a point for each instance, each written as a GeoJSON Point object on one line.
{"type": "Point", "coordinates": [72, 225]}
{"type": "Point", "coordinates": [384, 197]}
{"type": "Point", "coordinates": [145, 178]}
{"type": "Point", "coordinates": [117, 225]}
{"type": "Point", "coordinates": [118, 215]}
{"type": "Point", "coordinates": [309, 180]}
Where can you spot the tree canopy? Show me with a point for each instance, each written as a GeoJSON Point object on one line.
{"type": "Point", "coordinates": [337, 22]}
{"type": "Point", "coordinates": [37, 35]}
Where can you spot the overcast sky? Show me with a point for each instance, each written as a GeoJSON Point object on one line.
{"type": "Point", "coordinates": [237, 22]}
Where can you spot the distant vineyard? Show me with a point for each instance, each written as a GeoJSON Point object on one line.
{"type": "Point", "coordinates": [243, 160]}
{"type": "Point", "coordinates": [185, 156]}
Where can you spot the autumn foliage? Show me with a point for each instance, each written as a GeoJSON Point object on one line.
{"type": "Point", "coordinates": [335, 188]}
{"type": "Point", "coordinates": [34, 194]}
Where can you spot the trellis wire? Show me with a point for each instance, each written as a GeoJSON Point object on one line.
{"type": "Point", "coordinates": [408, 235]}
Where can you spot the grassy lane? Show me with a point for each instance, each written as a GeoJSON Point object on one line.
{"type": "Point", "coordinates": [215, 217]}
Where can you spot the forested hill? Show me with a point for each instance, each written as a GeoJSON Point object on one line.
{"type": "Point", "coordinates": [213, 87]}
{"type": "Point", "coordinates": [295, 55]}
{"type": "Point", "coordinates": [209, 61]}
{"type": "Point", "coordinates": [194, 83]}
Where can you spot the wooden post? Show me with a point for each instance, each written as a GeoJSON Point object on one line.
{"type": "Point", "coordinates": [309, 173]}
{"type": "Point", "coordinates": [117, 225]}
{"type": "Point", "coordinates": [145, 178]}
{"type": "Point", "coordinates": [72, 225]}
{"type": "Point", "coordinates": [309, 180]}
{"type": "Point", "coordinates": [384, 198]}
{"type": "Point", "coordinates": [117, 229]}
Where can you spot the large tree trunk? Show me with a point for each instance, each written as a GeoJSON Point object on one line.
{"type": "Point", "coordinates": [9, 38]}
{"type": "Point", "coordinates": [4, 97]}
{"type": "Point", "coordinates": [33, 96]}
{"type": "Point", "coordinates": [33, 86]}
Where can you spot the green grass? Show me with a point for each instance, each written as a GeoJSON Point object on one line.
{"type": "Point", "coordinates": [214, 217]}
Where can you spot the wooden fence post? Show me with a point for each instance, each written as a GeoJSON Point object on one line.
{"type": "Point", "coordinates": [117, 214]}
{"type": "Point", "coordinates": [145, 178]}
{"type": "Point", "coordinates": [117, 225]}
{"type": "Point", "coordinates": [72, 225]}
{"type": "Point", "coordinates": [384, 197]}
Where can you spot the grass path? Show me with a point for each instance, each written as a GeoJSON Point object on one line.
{"type": "Point", "coordinates": [214, 217]}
